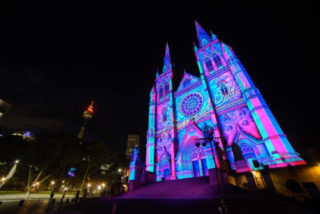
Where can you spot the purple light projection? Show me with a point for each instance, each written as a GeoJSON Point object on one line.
{"type": "Point", "coordinates": [225, 98]}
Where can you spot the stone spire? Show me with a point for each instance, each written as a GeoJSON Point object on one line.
{"type": "Point", "coordinates": [167, 61]}
{"type": "Point", "coordinates": [202, 35]}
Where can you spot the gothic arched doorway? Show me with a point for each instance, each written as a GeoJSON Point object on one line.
{"type": "Point", "coordinates": [199, 162]}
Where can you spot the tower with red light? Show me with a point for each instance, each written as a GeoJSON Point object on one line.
{"type": "Point", "coordinates": [87, 115]}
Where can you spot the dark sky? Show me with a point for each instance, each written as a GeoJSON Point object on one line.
{"type": "Point", "coordinates": [56, 57]}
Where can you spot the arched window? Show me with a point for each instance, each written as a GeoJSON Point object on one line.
{"type": "Point", "coordinates": [186, 82]}
{"type": "Point", "coordinates": [247, 151]}
{"type": "Point", "coordinates": [217, 60]}
{"type": "Point", "coordinates": [166, 88]}
{"type": "Point", "coordinates": [164, 115]}
{"type": "Point", "coordinates": [224, 89]}
{"type": "Point", "coordinates": [209, 64]}
{"type": "Point", "coordinates": [161, 92]}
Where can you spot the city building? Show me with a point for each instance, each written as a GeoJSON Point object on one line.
{"type": "Point", "coordinates": [132, 142]}
{"type": "Point", "coordinates": [222, 102]}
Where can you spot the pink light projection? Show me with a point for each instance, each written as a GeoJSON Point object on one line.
{"type": "Point", "coordinates": [224, 98]}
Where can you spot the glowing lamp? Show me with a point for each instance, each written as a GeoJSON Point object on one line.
{"type": "Point", "coordinates": [103, 184]}
{"type": "Point", "coordinates": [89, 185]}
{"type": "Point", "coordinates": [3, 179]}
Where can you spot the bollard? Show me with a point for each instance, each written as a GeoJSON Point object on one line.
{"type": "Point", "coordinates": [21, 203]}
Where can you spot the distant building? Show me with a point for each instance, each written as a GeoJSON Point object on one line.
{"type": "Point", "coordinates": [133, 141]}
{"type": "Point", "coordinates": [4, 108]}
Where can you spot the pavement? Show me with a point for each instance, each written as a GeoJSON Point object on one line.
{"type": "Point", "coordinates": [36, 203]}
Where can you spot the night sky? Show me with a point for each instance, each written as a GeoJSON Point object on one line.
{"type": "Point", "coordinates": [57, 57]}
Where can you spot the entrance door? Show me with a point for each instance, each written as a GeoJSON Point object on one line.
{"type": "Point", "coordinates": [204, 167]}
{"type": "Point", "coordinates": [167, 174]}
{"type": "Point", "coordinates": [200, 167]}
{"type": "Point", "coordinates": [196, 168]}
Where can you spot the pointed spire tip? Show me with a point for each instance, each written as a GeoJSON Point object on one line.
{"type": "Point", "coordinates": [167, 61]}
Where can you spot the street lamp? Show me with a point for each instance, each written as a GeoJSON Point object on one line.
{"type": "Point", "coordinates": [209, 138]}
{"type": "Point", "coordinates": [99, 187]}
{"type": "Point", "coordinates": [204, 144]}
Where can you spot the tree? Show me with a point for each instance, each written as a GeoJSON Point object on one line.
{"type": "Point", "coordinates": [97, 154]}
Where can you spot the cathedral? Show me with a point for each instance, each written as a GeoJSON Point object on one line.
{"type": "Point", "coordinates": [222, 99]}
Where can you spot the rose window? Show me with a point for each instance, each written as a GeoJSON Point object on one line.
{"type": "Point", "coordinates": [191, 104]}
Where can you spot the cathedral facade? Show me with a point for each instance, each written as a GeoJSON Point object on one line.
{"type": "Point", "coordinates": [224, 99]}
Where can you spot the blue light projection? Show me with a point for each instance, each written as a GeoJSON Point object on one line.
{"type": "Point", "coordinates": [223, 98]}
{"type": "Point", "coordinates": [71, 171]}
{"type": "Point", "coordinates": [191, 104]}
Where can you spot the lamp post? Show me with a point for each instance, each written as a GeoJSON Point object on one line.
{"type": "Point", "coordinates": [10, 174]}
{"type": "Point", "coordinates": [209, 138]}
{"type": "Point", "coordinates": [204, 144]}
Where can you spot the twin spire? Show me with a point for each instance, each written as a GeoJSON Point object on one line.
{"type": "Point", "coordinates": [203, 39]}
{"type": "Point", "coordinates": [167, 61]}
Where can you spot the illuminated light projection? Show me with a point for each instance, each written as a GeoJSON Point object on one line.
{"type": "Point", "coordinates": [223, 98]}
{"type": "Point", "coordinates": [136, 166]}
{"type": "Point", "coordinates": [71, 171]}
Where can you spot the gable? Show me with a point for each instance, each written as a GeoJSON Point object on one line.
{"type": "Point", "coordinates": [187, 80]}
{"type": "Point", "coordinates": [188, 142]}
